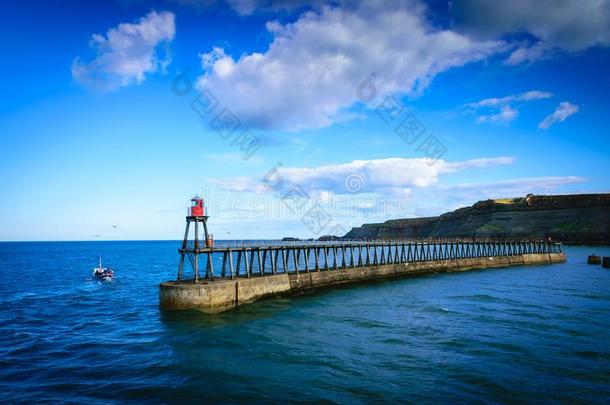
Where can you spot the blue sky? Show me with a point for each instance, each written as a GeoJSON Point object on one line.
{"type": "Point", "coordinates": [102, 121]}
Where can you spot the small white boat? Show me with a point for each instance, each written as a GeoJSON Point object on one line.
{"type": "Point", "coordinates": [103, 273]}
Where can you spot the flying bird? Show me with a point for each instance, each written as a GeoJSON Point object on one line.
{"type": "Point", "coordinates": [115, 226]}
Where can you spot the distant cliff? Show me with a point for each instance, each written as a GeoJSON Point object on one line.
{"type": "Point", "coordinates": [577, 218]}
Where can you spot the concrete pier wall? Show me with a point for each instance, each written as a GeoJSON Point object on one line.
{"type": "Point", "coordinates": [223, 294]}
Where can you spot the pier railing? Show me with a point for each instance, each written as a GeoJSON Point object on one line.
{"type": "Point", "coordinates": [226, 261]}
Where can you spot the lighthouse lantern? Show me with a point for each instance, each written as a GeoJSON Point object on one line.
{"type": "Point", "coordinates": [197, 209]}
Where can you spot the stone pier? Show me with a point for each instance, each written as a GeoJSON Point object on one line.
{"type": "Point", "coordinates": [226, 291]}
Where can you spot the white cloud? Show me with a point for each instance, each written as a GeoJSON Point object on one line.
{"type": "Point", "coordinates": [563, 111]}
{"type": "Point", "coordinates": [502, 109]}
{"type": "Point", "coordinates": [412, 189]}
{"type": "Point", "coordinates": [528, 54]}
{"type": "Point", "coordinates": [506, 114]}
{"type": "Point", "coordinates": [127, 53]}
{"type": "Point", "coordinates": [520, 186]}
{"type": "Point", "coordinates": [437, 200]}
{"type": "Point", "coordinates": [567, 25]}
{"type": "Point", "coordinates": [394, 176]}
{"type": "Point", "coordinates": [480, 163]}
{"type": "Point", "coordinates": [310, 74]}
{"type": "Point", "coordinates": [526, 96]}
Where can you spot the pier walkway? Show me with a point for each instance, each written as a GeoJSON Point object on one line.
{"type": "Point", "coordinates": [250, 260]}
{"type": "Point", "coordinates": [226, 276]}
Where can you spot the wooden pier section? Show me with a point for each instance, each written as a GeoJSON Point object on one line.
{"type": "Point", "coordinates": [228, 276]}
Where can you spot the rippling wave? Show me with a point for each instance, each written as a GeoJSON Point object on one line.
{"type": "Point", "coordinates": [532, 334]}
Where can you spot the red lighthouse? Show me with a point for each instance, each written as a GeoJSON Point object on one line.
{"type": "Point", "coordinates": [196, 215]}
{"type": "Point", "coordinates": [197, 209]}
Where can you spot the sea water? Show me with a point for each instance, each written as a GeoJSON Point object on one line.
{"type": "Point", "coordinates": [531, 334]}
